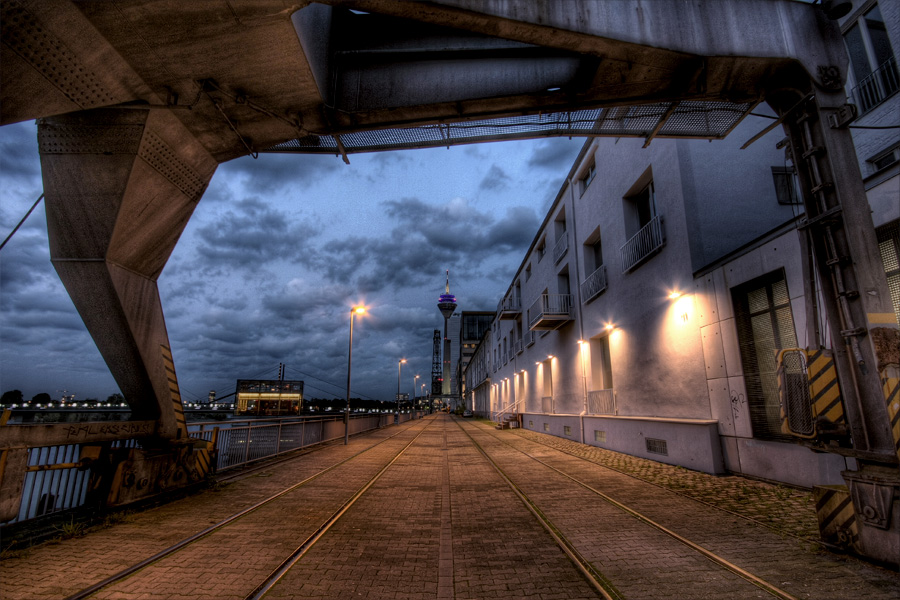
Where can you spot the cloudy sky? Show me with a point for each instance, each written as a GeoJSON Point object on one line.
{"type": "Point", "coordinates": [277, 252]}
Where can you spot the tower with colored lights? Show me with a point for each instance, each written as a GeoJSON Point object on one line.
{"type": "Point", "coordinates": [446, 304]}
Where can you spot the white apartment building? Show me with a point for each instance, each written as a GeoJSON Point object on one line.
{"type": "Point", "coordinates": [646, 316]}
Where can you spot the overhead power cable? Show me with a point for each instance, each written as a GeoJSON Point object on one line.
{"type": "Point", "coordinates": [28, 214]}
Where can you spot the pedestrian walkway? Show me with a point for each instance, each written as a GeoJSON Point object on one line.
{"type": "Point", "coordinates": [451, 508]}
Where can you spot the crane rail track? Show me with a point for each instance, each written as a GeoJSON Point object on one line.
{"type": "Point", "coordinates": [131, 570]}
{"type": "Point", "coordinates": [600, 581]}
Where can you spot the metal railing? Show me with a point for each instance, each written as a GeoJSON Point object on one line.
{"type": "Point", "coordinates": [508, 410]}
{"type": "Point", "coordinates": [510, 304]}
{"type": "Point", "coordinates": [594, 285]}
{"type": "Point", "coordinates": [642, 244]}
{"type": "Point", "coordinates": [55, 480]}
{"type": "Point", "coordinates": [602, 402]}
{"type": "Point", "coordinates": [880, 84]}
{"type": "Point", "coordinates": [242, 442]}
{"type": "Point", "coordinates": [560, 249]}
{"type": "Point", "coordinates": [550, 305]}
{"type": "Point", "coordinates": [547, 405]}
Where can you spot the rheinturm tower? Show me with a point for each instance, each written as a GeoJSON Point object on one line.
{"type": "Point", "coordinates": [446, 304]}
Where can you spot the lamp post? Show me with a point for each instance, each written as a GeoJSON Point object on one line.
{"type": "Point", "coordinates": [415, 381]}
{"type": "Point", "coordinates": [356, 310]}
{"type": "Point", "coordinates": [399, 369]}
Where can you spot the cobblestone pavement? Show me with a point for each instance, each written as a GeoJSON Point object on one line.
{"type": "Point", "coordinates": [793, 565]}
{"type": "Point", "coordinates": [787, 510]}
{"type": "Point", "coordinates": [442, 523]}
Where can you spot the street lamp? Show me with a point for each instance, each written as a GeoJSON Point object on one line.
{"type": "Point", "coordinates": [399, 368]}
{"type": "Point", "coordinates": [415, 381]}
{"type": "Point", "coordinates": [356, 310]}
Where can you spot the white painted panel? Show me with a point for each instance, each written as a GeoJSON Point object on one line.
{"type": "Point", "coordinates": [720, 405]}
{"type": "Point", "coordinates": [705, 300]}
{"type": "Point", "coordinates": [713, 352]}
{"type": "Point", "coordinates": [731, 347]}
{"type": "Point", "coordinates": [740, 412]}
{"type": "Point", "coordinates": [723, 295]}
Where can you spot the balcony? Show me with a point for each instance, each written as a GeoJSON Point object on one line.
{"type": "Point", "coordinates": [594, 285]}
{"type": "Point", "coordinates": [601, 402]}
{"type": "Point", "coordinates": [562, 246]}
{"type": "Point", "coordinates": [642, 245]}
{"type": "Point", "coordinates": [550, 311]}
{"type": "Point", "coordinates": [872, 90]}
{"type": "Point", "coordinates": [509, 308]}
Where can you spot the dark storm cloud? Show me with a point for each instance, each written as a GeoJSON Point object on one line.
{"type": "Point", "coordinates": [19, 160]}
{"type": "Point", "coordinates": [251, 235]}
{"type": "Point", "coordinates": [275, 171]}
{"type": "Point", "coordinates": [24, 261]}
{"type": "Point", "coordinates": [496, 179]}
{"type": "Point", "coordinates": [424, 241]}
{"type": "Point", "coordinates": [555, 154]}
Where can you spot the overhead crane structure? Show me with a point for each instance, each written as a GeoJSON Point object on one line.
{"type": "Point", "coordinates": [138, 103]}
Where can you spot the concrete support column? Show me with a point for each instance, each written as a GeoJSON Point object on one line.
{"type": "Point", "coordinates": [120, 186]}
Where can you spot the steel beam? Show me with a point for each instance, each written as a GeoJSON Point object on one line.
{"type": "Point", "coordinates": [120, 186]}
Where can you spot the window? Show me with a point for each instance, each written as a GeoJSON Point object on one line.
{"type": "Point", "coordinates": [642, 225]}
{"type": "Point", "coordinates": [542, 248]}
{"type": "Point", "coordinates": [601, 364]}
{"type": "Point", "coordinates": [528, 272]}
{"type": "Point", "coordinates": [889, 245]}
{"type": "Point", "coordinates": [885, 159]}
{"type": "Point", "coordinates": [593, 252]}
{"type": "Point", "coordinates": [587, 177]}
{"type": "Point", "coordinates": [765, 325]}
{"type": "Point", "coordinates": [642, 207]}
{"type": "Point", "coordinates": [787, 191]}
{"type": "Point", "coordinates": [872, 63]}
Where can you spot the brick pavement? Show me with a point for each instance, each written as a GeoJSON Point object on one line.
{"type": "Point", "coordinates": [799, 567]}
{"type": "Point", "coordinates": [441, 523]}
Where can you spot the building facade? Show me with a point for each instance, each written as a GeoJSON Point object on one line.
{"type": "Point", "coordinates": [649, 313]}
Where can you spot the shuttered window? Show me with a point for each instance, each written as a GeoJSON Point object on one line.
{"type": "Point", "coordinates": [765, 325]}
{"type": "Point", "coordinates": [889, 245]}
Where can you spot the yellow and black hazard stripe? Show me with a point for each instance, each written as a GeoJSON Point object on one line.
{"type": "Point", "coordinates": [891, 388]}
{"type": "Point", "coordinates": [202, 458]}
{"type": "Point", "coordinates": [174, 391]}
{"type": "Point", "coordinates": [824, 391]}
{"type": "Point", "coordinates": [837, 520]}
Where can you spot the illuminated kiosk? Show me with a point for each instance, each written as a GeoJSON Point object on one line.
{"type": "Point", "coordinates": [268, 397]}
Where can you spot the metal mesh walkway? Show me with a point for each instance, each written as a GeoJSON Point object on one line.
{"type": "Point", "coordinates": [687, 119]}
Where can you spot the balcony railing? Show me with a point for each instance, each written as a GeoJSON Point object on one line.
{"type": "Point", "coordinates": [594, 285]}
{"type": "Point", "coordinates": [643, 244]}
{"type": "Point", "coordinates": [602, 402]}
{"type": "Point", "coordinates": [550, 311]}
{"type": "Point", "coordinates": [519, 346]}
{"type": "Point", "coordinates": [883, 82]}
{"type": "Point", "coordinates": [509, 308]}
{"type": "Point", "coordinates": [562, 246]}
